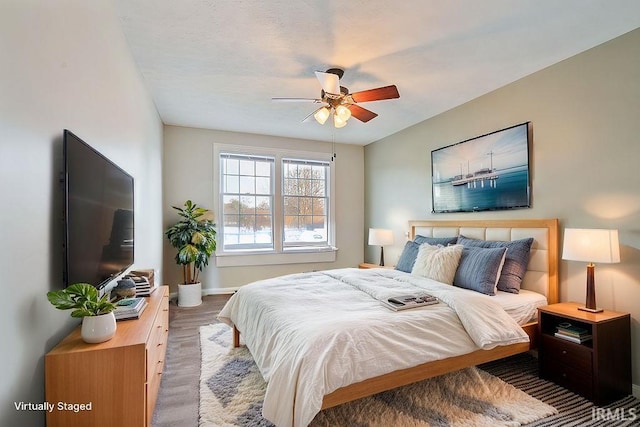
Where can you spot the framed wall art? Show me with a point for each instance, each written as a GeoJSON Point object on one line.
{"type": "Point", "coordinates": [489, 172]}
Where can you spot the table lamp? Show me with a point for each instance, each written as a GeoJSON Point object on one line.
{"type": "Point", "coordinates": [591, 245]}
{"type": "Point", "coordinates": [380, 237]}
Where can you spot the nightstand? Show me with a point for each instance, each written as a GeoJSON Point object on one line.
{"type": "Point", "coordinates": [598, 369]}
{"type": "Point", "coordinates": [368, 265]}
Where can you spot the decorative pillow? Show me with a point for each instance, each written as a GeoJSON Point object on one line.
{"type": "Point", "coordinates": [437, 262]}
{"type": "Point", "coordinates": [435, 241]}
{"type": "Point", "coordinates": [515, 263]}
{"type": "Point", "coordinates": [408, 257]}
{"type": "Point", "coordinates": [479, 269]}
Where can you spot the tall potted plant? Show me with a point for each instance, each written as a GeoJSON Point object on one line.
{"type": "Point", "coordinates": [98, 320]}
{"type": "Point", "coordinates": [194, 237]}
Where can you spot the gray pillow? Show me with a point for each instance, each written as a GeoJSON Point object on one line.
{"type": "Point", "coordinates": [408, 257]}
{"type": "Point", "coordinates": [479, 269]}
{"type": "Point", "coordinates": [515, 263]}
{"type": "Point", "coordinates": [435, 241]}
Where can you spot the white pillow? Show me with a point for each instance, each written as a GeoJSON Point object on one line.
{"type": "Point", "coordinates": [437, 262]}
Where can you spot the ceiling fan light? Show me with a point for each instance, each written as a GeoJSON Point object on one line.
{"type": "Point", "coordinates": [338, 122]}
{"type": "Point", "coordinates": [343, 112]}
{"type": "Point", "coordinates": [321, 115]}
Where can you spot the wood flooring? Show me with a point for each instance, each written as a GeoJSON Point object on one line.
{"type": "Point", "coordinates": [179, 395]}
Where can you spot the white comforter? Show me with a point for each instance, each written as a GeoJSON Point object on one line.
{"type": "Point", "coordinates": [313, 333]}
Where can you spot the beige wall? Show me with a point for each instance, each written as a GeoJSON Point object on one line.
{"type": "Point", "coordinates": [64, 65]}
{"type": "Point", "coordinates": [188, 174]}
{"type": "Point", "coordinates": [585, 115]}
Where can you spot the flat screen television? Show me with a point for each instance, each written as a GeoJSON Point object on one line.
{"type": "Point", "coordinates": [98, 215]}
{"type": "Point", "coordinates": [488, 172]}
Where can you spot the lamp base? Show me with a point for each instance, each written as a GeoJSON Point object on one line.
{"type": "Point", "coordinates": [590, 305]}
{"type": "Point", "coordinates": [591, 310]}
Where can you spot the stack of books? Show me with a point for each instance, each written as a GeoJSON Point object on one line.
{"type": "Point", "coordinates": [404, 302]}
{"type": "Point", "coordinates": [144, 287]}
{"type": "Point", "coordinates": [130, 308]}
{"type": "Point", "coordinates": [144, 273]}
{"type": "Point", "coordinates": [573, 333]}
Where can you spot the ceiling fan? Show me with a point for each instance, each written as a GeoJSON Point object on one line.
{"type": "Point", "coordinates": [339, 103]}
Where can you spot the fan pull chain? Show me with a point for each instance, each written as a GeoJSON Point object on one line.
{"type": "Point", "coordinates": [333, 146]}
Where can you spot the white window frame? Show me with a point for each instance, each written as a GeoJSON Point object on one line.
{"type": "Point", "coordinates": [280, 254]}
{"type": "Point", "coordinates": [326, 198]}
{"type": "Point", "coordinates": [271, 195]}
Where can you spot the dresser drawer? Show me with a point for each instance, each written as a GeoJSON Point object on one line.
{"type": "Point", "coordinates": [568, 353]}
{"type": "Point", "coordinates": [156, 346]}
{"type": "Point", "coordinates": [153, 385]}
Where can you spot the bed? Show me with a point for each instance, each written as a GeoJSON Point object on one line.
{"type": "Point", "coordinates": [321, 339]}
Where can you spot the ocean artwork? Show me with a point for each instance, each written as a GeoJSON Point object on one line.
{"type": "Point", "coordinates": [489, 172]}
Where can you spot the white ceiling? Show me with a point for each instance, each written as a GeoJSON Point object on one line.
{"type": "Point", "coordinates": [216, 64]}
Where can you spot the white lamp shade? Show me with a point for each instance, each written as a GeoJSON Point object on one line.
{"type": "Point", "coordinates": [591, 245]}
{"type": "Point", "coordinates": [380, 237]}
{"type": "Point", "coordinates": [338, 122]}
{"type": "Point", "coordinates": [343, 112]}
{"type": "Point", "coordinates": [321, 115]}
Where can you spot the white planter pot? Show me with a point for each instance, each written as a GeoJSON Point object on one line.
{"type": "Point", "coordinates": [190, 295]}
{"type": "Point", "coordinates": [99, 328]}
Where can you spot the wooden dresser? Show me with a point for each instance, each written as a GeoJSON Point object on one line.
{"type": "Point", "coordinates": [117, 381]}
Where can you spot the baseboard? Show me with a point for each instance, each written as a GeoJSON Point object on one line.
{"type": "Point", "coordinates": [217, 291]}
{"type": "Point", "coordinates": [635, 390]}
{"type": "Point", "coordinates": [220, 291]}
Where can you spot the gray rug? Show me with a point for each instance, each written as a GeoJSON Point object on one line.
{"type": "Point", "coordinates": [232, 391]}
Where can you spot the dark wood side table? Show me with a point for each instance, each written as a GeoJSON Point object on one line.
{"type": "Point", "coordinates": [598, 369]}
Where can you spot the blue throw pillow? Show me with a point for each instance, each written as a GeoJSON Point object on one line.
{"type": "Point", "coordinates": [479, 269]}
{"type": "Point", "coordinates": [408, 257]}
{"type": "Point", "coordinates": [435, 241]}
{"type": "Point", "coordinates": [515, 263]}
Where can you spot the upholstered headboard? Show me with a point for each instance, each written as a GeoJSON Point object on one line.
{"type": "Point", "coordinates": [542, 271]}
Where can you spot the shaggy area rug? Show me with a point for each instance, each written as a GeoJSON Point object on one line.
{"type": "Point", "coordinates": [232, 391]}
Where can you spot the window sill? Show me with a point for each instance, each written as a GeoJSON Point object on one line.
{"type": "Point", "coordinates": [290, 256]}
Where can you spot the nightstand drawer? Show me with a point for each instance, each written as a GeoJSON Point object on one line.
{"type": "Point", "coordinates": [575, 355]}
{"type": "Point", "coordinates": [569, 377]}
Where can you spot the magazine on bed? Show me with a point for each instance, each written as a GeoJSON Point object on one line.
{"type": "Point", "coordinates": [404, 302]}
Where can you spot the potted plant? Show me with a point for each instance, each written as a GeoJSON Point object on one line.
{"type": "Point", "coordinates": [194, 237]}
{"type": "Point", "coordinates": [98, 320]}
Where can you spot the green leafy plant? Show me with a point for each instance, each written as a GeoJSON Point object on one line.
{"type": "Point", "coordinates": [194, 236]}
{"type": "Point", "coordinates": [82, 298]}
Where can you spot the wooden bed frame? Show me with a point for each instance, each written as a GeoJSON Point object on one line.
{"type": "Point", "coordinates": [541, 276]}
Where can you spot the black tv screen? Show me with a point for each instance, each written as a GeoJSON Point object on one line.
{"type": "Point", "coordinates": [99, 213]}
{"type": "Point", "coordinates": [488, 172]}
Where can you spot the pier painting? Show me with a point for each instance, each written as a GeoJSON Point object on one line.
{"type": "Point", "coordinates": [488, 172]}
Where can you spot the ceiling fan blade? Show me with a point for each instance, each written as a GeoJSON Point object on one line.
{"type": "Point", "coordinates": [314, 100]}
{"type": "Point", "coordinates": [330, 82]}
{"type": "Point", "coordinates": [361, 114]}
{"type": "Point", "coordinates": [386, 92]}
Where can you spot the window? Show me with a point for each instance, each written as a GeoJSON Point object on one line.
{"type": "Point", "coordinates": [247, 200]}
{"type": "Point", "coordinates": [305, 197]}
{"type": "Point", "coordinates": [276, 206]}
